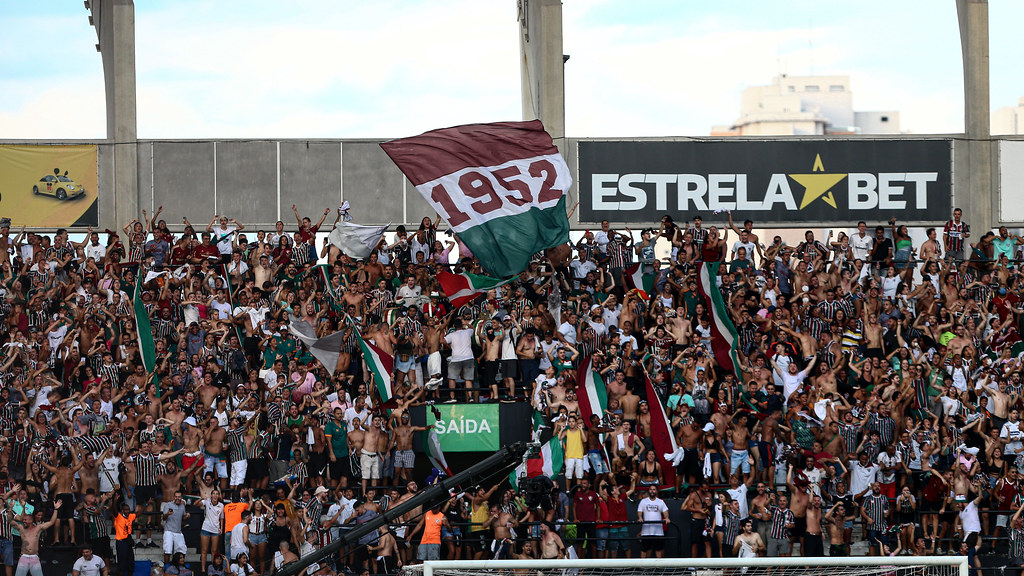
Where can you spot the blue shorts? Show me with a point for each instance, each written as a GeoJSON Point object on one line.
{"type": "Point", "coordinates": [601, 538]}
{"type": "Point", "coordinates": [739, 461]}
{"type": "Point", "coordinates": [597, 463]}
{"type": "Point", "coordinates": [404, 366]}
{"type": "Point", "coordinates": [6, 552]}
{"type": "Point", "coordinates": [209, 534]}
{"type": "Point", "coordinates": [256, 539]}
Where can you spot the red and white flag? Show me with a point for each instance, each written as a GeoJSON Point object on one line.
{"type": "Point", "coordinates": [500, 186]}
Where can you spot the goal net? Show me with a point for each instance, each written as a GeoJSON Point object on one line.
{"type": "Point", "coordinates": [844, 566]}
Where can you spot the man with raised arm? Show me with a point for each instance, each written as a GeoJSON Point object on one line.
{"type": "Point", "coordinates": [30, 533]}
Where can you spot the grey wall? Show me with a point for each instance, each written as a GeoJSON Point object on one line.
{"type": "Point", "coordinates": [257, 181]}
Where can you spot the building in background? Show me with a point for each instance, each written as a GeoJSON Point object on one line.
{"type": "Point", "coordinates": [1009, 119]}
{"type": "Point", "coordinates": [806, 106]}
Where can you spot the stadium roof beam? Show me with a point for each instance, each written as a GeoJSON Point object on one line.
{"type": "Point", "coordinates": [974, 170]}
{"type": "Point", "coordinates": [114, 21]}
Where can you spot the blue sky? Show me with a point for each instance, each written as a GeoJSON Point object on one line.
{"type": "Point", "coordinates": [341, 69]}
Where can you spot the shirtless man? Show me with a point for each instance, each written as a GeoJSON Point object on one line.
{"type": "Point", "coordinates": [192, 441]}
{"type": "Point", "coordinates": [799, 500]}
{"type": "Point", "coordinates": [748, 541]}
{"type": "Point", "coordinates": [405, 458]}
{"type": "Point", "coordinates": [551, 545]}
{"type": "Point", "coordinates": [740, 458]}
{"type": "Point", "coordinates": [431, 346]}
{"type": "Point", "coordinates": [629, 403]}
{"type": "Point", "coordinates": [501, 524]}
{"type": "Point", "coordinates": [698, 504]}
{"type": "Point", "coordinates": [835, 521]}
{"type": "Point", "coordinates": [490, 335]}
{"type": "Point", "coordinates": [216, 459]}
{"type": "Point", "coordinates": [30, 533]}
{"type": "Point", "coordinates": [411, 490]}
{"type": "Point", "coordinates": [689, 437]}
{"type": "Point", "coordinates": [89, 475]}
{"type": "Point", "coordinates": [872, 336]}
{"type": "Point", "coordinates": [61, 486]}
{"type": "Point", "coordinates": [813, 545]}
{"type": "Point", "coordinates": [369, 459]}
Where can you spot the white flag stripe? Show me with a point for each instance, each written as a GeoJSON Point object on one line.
{"type": "Point", "coordinates": [463, 202]}
{"type": "Point", "coordinates": [590, 389]}
{"type": "Point", "coordinates": [706, 281]}
{"type": "Point", "coordinates": [355, 240]}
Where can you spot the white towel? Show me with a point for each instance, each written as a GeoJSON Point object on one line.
{"type": "Point", "coordinates": [707, 465]}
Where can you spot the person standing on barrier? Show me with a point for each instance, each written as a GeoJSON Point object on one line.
{"type": "Point", "coordinates": [782, 524]}
{"type": "Point", "coordinates": [654, 514]}
{"type": "Point", "coordinates": [954, 237]}
{"type": "Point", "coordinates": [30, 532]}
{"type": "Point", "coordinates": [585, 509]}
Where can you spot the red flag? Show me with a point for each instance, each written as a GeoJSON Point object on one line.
{"type": "Point", "coordinates": [662, 436]}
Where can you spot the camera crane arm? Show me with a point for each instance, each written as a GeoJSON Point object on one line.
{"type": "Point", "coordinates": [501, 462]}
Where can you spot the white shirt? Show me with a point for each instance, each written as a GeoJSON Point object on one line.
{"type": "Point", "coordinates": [351, 414]}
{"type": "Point", "coordinates": [96, 252]}
{"type": "Point", "coordinates": [109, 474]}
{"type": "Point", "coordinates": [222, 236]}
{"type": "Point", "coordinates": [969, 518]}
{"type": "Point", "coordinates": [212, 516]}
{"type": "Point", "coordinates": [791, 382]}
{"type": "Point", "coordinates": [461, 342]}
{"type": "Point", "coordinates": [861, 246]}
{"type": "Point", "coordinates": [884, 460]}
{"type": "Point", "coordinates": [408, 295]}
{"type": "Point", "coordinates": [861, 477]}
{"type": "Point", "coordinates": [651, 513]}
{"type": "Point", "coordinates": [1011, 431]}
{"type": "Point", "coordinates": [91, 567]}
{"type": "Point", "coordinates": [740, 495]}
{"type": "Point", "coordinates": [568, 331]}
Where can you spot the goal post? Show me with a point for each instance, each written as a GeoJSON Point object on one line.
{"type": "Point", "coordinates": [798, 566]}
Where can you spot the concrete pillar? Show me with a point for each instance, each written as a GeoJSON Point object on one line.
{"type": "Point", "coordinates": [973, 183]}
{"type": "Point", "coordinates": [115, 27]}
{"type": "Point", "coordinates": [542, 65]}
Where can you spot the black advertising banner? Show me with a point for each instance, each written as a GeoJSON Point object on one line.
{"type": "Point", "coordinates": [770, 182]}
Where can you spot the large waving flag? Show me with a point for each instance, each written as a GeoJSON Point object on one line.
{"type": "Point", "coordinates": [500, 186]}
{"type": "Point", "coordinates": [591, 392]}
{"type": "Point", "coordinates": [382, 366]}
{"type": "Point", "coordinates": [147, 347]}
{"type": "Point", "coordinates": [547, 462]}
{"type": "Point", "coordinates": [355, 240]}
{"type": "Point", "coordinates": [724, 338]}
{"type": "Point", "coordinates": [662, 435]}
{"type": "Point", "coordinates": [465, 287]}
{"type": "Point", "coordinates": [326, 349]}
{"type": "Point", "coordinates": [432, 446]}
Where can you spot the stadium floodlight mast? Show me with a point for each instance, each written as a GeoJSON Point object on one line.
{"type": "Point", "coordinates": [799, 566]}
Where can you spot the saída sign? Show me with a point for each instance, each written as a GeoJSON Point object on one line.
{"type": "Point", "coordinates": [466, 427]}
{"type": "Point", "coordinates": [769, 182]}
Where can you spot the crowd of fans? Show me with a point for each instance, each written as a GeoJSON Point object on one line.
{"type": "Point", "coordinates": [878, 384]}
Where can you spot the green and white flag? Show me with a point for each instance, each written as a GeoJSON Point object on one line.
{"type": "Point", "coordinates": [147, 347]}
{"type": "Point", "coordinates": [501, 187]}
{"type": "Point", "coordinates": [547, 462]}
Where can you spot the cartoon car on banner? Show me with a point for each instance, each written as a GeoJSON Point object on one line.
{"type": "Point", "coordinates": [58, 185]}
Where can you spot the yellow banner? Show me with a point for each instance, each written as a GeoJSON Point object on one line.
{"type": "Point", "coordinates": [49, 186]}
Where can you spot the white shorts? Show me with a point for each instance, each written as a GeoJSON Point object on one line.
{"type": "Point", "coordinates": [174, 542]}
{"type": "Point", "coordinates": [238, 473]}
{"type": "Point", "coordinates": [574, 468]}
{"type": "Point", "coordinates": [215, 464]}
{"type": "Point", "coordinates": [369, 462]}
{"type": "Point", "coordinates": [434, 364]}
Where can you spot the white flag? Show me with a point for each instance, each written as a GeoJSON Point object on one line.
{"type": "Point", "coordinates": [355, 240]}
